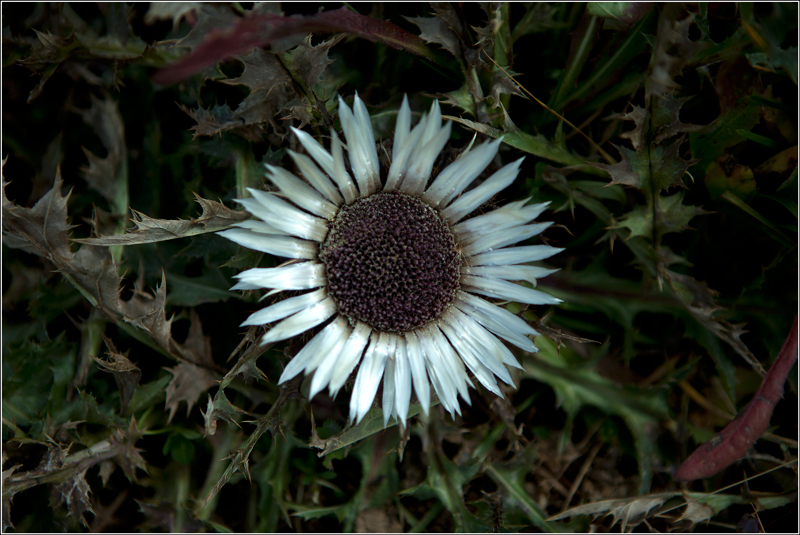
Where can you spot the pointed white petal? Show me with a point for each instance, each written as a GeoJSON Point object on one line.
{"type": "Point", "coordinates": [350, 356]}
{"type": "Point", "coordinates": [285, 246]}
{"type": "Point", "coordinates": [315, 351]}
{"type": "Point", "coordinates": [364, 125]}
{"type": "Point", "coordinates": [445, 377]}
{"type": "Point", "coordinates": [258, 226]}
{"type": "Point", "coordinates": [421, 164]}
{"type": "Point", "coordinates": [322, 375]}
{"type": "Point", "coordinates": [469, 147]}
{"type": "Point", "coordinates": [512, 273]}
{"type": "Point", "coordinates": [303, 276]}
{"type": "Point", "coordinates": [499, 321]}
{"type": "Point", "coordinates": [320, 155]}
{"type": "Point", "coordinates": [402, 127]}
{"type": "Point", "coordinates": [280, 214]}
{"type": "Point", "coordinates": [285, 308]}
{"type": "Point", "coordinates": [477, 358]}
{"type": "Point", "coordinates": [301, 193]}
{"type": "Point", "coordinates": [507, 216]}
{"type": "Point", "coordinates": [476, 197]}
{"type": "Point", "coordinates": [316, 178]}
{"type": "Point", "coordinates": [388, 390]}
{"type": "Point", "coordinates": [402, 381]}
{"type": "Point", "coordinates": [506, 290]}
{"type": "Point", "coordinates": [340, 174]}
{"type": "Point", "coordinates": [484, 343]}
{"type": "Point", "coordinates": [459, 174]}
{"type": "Point", "coordinates": [358, 147]}
{"type": "Point", "coordinates": [302, 321]}
{"type": "Point", "coordinates": [513, 255]}
{"type": "Point", "coordinates": [482, 373]}
{"type": "Point", "coordinates": [401, 156]}
{"type": "Point", "coordinates": [453, 363]}
{"type": "Point", "coordinates": [496, 240]}
{"type": "Point", "coordinates": [416, 363]}
{"type": "Point", "coordinates": [369, 377]}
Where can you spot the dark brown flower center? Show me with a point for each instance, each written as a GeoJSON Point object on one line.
{"type": "Point", "coordinates": [391, 262]}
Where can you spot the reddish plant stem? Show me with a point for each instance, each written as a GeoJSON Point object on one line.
{"type": "Point", "coordinates": [742, 432]}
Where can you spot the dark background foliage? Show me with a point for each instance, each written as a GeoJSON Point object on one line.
{"type": "Point", "coordinates": [679, 274]}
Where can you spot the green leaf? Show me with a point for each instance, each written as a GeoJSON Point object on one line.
{"type": "Point", "coordinates": [761, 140]}
{"type": "Point", "coordinates": [211, 287]}
{"type": "Point", "coordinates": [310, 513]}
{"type": "Point", "coordinates": [446, 480]}
{"type": "Point", "coordinates": [149, 394]}
{"type": "Point", "coordinates": [579, 386]}
{"type": "Point", "coordinates": [537, 145]}
{"type": "Point", "coordinates": [35, 378]}
{"type": "Point", "coordinates": [179, 448]}
{"type": "Point", "coordinates": [371, 424]}
{"type": "Point", "coordinates": [619, 56]}
{"type": "Point", "coordinates": [512, 484]}
{"type": "Point", "coordinates": [775, 232]}
{"type": "Point", "coordinates": [462, 98]}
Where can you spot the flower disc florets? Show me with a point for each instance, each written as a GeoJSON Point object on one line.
{"type": "Point", "coordinates": [391, 262]}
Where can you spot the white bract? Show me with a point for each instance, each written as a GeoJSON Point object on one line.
{"type": "Point", "coordinates": [392, 267]}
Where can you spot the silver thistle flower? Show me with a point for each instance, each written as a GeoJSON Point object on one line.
{"type": "Point", "coordinates": [393, 265]}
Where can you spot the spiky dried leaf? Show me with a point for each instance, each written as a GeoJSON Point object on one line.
{"type": "Point", "coordinates": [74, 493]}
{"type": "Point", "coordinates": [41, 230]}
{"type": "Point", "coordinates": [666, 118]}
{"type": "Point", "coordinates": [195, 375]}
{"type": "Point", "coordinates": [262, 70]}
{"type": "Point", "coordinates": [699, 301]}
{"type": "Point", "coordinates": [216, 216]}
{"type": "Point", "coordinates": [673, 52]}
{"type": "Point", "coordinates": [436, 30]}
{"type": "Point", "coordinates": [126, 373]}
{"type": "Point", "coordinates": [661, 216]}
{"type": "Point", "coordinates": [628, 171]}
{"type": "Point", "coordinates": [311, 62]}
{"type": "Point", "coordinates": [700, 507]}
{"type": "Point", "coordinates": [639, 117]}
{"type": "Point", "coordinates": [174, 11]}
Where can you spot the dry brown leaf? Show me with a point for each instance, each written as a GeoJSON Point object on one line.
{"type": "Point", "coordinates": [41, 230]}
{"type": "Point", "coordinates": [74, 492]}
{"type": "Point", "coordinates": [673, 51]}
{"type": "Point", "coordinates": [188, 383]}
{"type": "Point", "coordinates": [126, 373]}
{"type": "Point", "coordinates": [631, 511]}
{"type": "Point", "coordinates": [260, 107]}
{"type": "Point", "coordinates": [668, 123]}
{"type": "Point", "coordinates": [701, 305]}
{"type": "Point", "coordinates": [623, 172]}
{"type": "Point", "coordinates": [436, 30]}
{"type": "Point", "coordinates": [192, 377]}
{"type": "Point", "coordinates": [174, 11]}
{"type": "Point", "coordinates": [262, 70]}
{"type": "Point", "coordinates": [65, 474]}
{"type": "Point", "coordinates": [639, 117]}
{"type": "Point", "coordinates": [216, 216]}
{"type": "Point", "coordinates": [44, 230]}
{"type": "Point", "coordinates": [310, 62]}
{"type": "Point", "coordinates": [213, 121]}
